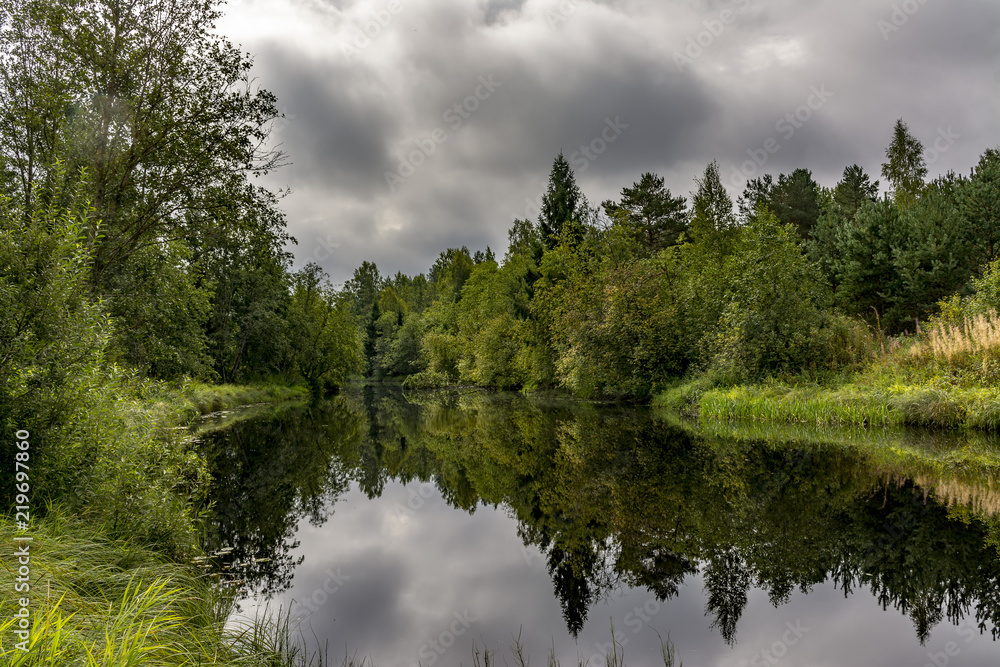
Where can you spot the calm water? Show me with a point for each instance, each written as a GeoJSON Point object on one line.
{"type": "Point", "coordinates": [406, 530]}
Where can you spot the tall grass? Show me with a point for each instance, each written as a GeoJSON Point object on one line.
{"type": "Point", "coordinates": [799, 405]}
{"type": "Point", "coordinates": [97, 602]}
{"type": "Point", "coordinates": [977, 335]}
{"type": "Point", "coordinates": [948, 375]}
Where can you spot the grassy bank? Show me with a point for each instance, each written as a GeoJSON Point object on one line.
{"type": "Point", "coordinates": [115, 574]}
{"type": "Point", "coordinates": [179, 404]}
{"type": "Point", "coordinates": [947, 376]}
{"type": "Point", "coordinates": [845, 405]}
{"type": "Point", "coordinates": [96, 601]}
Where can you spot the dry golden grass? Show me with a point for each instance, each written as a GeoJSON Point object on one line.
{"type": "Point", "coordinates": [978, 335]}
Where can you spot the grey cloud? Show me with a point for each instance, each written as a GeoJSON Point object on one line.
{"type": "Point", "coordinates": [354, 121]}
{"type": "Point", "coordinates": [499, 9]}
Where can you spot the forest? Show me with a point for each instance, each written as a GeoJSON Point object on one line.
{"type": "Point", "coordinates": [797, 281]}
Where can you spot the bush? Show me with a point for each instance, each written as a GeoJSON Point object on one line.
{"type": "Point", "coordinates": [771, 317]}
{"type": "Point", "coordinates": [93, 446]}
{"type": "Point", "coordinates": [848, 344]}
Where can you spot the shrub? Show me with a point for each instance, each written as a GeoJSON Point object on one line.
{"type": "Point", "coordinates": [772, 315]}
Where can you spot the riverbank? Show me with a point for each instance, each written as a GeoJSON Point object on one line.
{"type": "Point", "coordinates": [179, 405]}
{"type": "Point", "coordinates": [98, 601]}
{"type": "Point", "coordinates": [849, 404]}
{"type": "Point", "coordinates": [947, 376]}
{"type": "Point", "coordinates": [115, 572]}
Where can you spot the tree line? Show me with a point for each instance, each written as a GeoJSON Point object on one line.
{"type": "Point", "coordinates": [620, 299]}
{"type": "Point", "coordinates": [135, 233]}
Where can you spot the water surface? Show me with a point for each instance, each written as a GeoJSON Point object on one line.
{"type": "Point", "coordinates": [409, 528]}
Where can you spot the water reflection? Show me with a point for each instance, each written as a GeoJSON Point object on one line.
{"type": "Point", "coordinates": [620, 497]}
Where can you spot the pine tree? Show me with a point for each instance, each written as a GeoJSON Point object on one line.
{"type": "Point", "coordinates": [757, 192]}
{"type": "Point", "coordinates": [853, 190]}
{"type": "Point", "coordinates": [657, 217]}
{"type": "Point", "coordinates": [795, 201]}
{"type": "Point", "coordinates": [979, 203]}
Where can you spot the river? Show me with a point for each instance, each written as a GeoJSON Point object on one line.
{"type": "Point", "coordinates": [417, 529]}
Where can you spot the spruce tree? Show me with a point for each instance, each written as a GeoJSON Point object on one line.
{"type": "Point", "coordinates": [905, 169]}
{"type": "Point", "coordinates": [559, 205]}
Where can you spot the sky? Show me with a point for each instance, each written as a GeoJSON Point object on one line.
{"type": "Point", "coordinates": [412, 126]}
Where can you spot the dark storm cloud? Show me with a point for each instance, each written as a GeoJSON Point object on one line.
{"type": "Point", "coordinates": [332, 133]}
{"type": "Point", "coordinates": [371, 89]}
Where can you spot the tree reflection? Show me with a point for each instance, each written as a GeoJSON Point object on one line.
{"type": "Point", "coordinates": [615, 496]}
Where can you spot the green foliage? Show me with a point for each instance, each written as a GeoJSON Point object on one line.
{"type": "Point", "coordinates": [243, 260]}
{"type": "Point", "coordinates": [488, 328]}
{"type": "Point", "coordinates": [326, 347]}
{"type": "Point", "coordinates": [933, 257]}
{"type": "Point", "coordinates": [449, 273]}
{"type": "Point", "coordinates": [869, 281]}
{"type": "Point", "coordinates": [653, 216]}
{"type": "Point", "coordinates": [560, 202]}
{"type": "Point", "coordinates": [854, 189]}
{"type": "Point", "coordinates": [808, 283]}
{"type": "Point", "coordinates": [363, 289]}
{"type": "Point", "coordinates": [161, 115]}
{"type": "Point", "coordinates": [986, 290]}
{"type": "Point", "coordinates": [756, 193]}
{"type": "Point", "coordinates": [161, 307]}
{"type": "Point", "coordinates": [93, 443]}
{"type": "Point", "coordinates": [979, 203]}
{"type": "Point", "coordinates": [905, 168]}
{"type": "Point", "coordinates": [838, 210]}
{"type": "Point", "coordinates": [52, 336]}
{"type": "Point", "coordinates": [774, 303]}
{"type": "Point", "coordinates": [712, 209]}
{"type": "Point", "coordinates": [795, 201]}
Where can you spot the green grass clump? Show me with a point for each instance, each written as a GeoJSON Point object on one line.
{"type": "Point", "coordinates": [95, 601]}
{"type": "Point", "coordinates": [98, 602]}
{"type": "Point", "coordinates": [934, 403]}
{"type": "Point", "coordinates": [684, 397]}
{"type": "Point", "coordinates": [809, 405]}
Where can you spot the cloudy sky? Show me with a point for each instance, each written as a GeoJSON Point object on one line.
{"type": "Point", "coordinates": [417, 125]}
